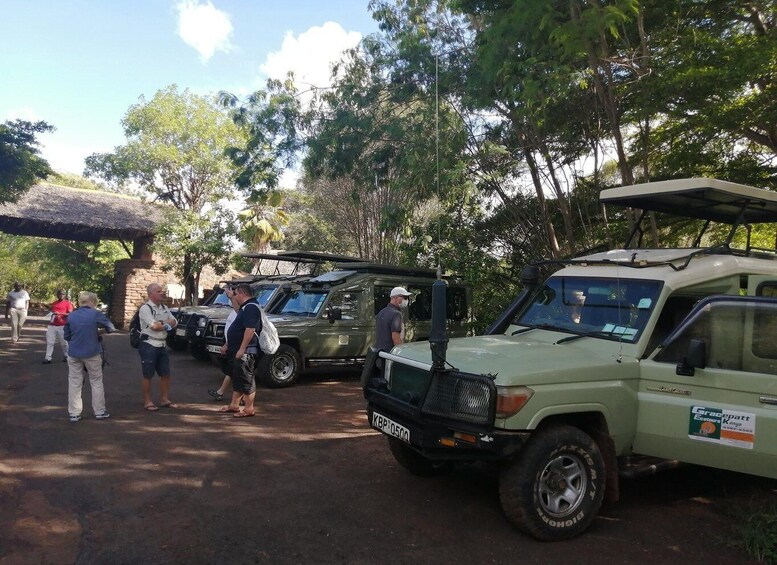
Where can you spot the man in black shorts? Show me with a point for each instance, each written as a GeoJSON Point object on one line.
{"type": "Point", "coordinates": [243, 352]}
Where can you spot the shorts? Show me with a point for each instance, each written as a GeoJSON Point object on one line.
{"type": "Point", "coordinates": [242, 373]}
{"type": "Point", "coordinates": [154, 360]}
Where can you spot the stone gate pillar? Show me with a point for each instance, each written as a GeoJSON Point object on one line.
{"type": "Point", "coordinates": [130, 279]}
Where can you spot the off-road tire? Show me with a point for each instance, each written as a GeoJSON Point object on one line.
{"type": "Point", "coordinates": [414, 462]}
{"type": "Point", "coordinates": [554, 487]}
{"type": "Point", "coordinates": [199, 352]}
{"type": "Point", "coordinates": [280, 369]}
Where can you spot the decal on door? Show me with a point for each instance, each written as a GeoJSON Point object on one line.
{"type": "Point", "coordinates": [725, 427]}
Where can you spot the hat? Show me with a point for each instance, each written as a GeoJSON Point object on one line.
{"type": "Point", "coordinates": [399, 291]}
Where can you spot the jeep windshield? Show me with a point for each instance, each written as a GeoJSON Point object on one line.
{"type": "Point", "coordinates": [221, 300]}
{"type": "Point", "coordinates": [263, 293]}
{"type": "Point", "coordinates": [605, 308]}
{"type": "Point", "coordinates": [305, 303]}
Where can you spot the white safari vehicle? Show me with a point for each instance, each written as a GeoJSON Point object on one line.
{"type": "Point", "coordinates": [622, 362]}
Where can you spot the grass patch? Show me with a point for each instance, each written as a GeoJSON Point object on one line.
{"type": "Point", "coordinates": [756, 529]}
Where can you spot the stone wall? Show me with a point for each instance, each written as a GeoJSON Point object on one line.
{"type": "Point", "coordinates": [132, 276]}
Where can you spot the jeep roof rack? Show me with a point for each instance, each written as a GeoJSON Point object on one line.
{"type": "Point", "coordinates": [315, 258]}
{"type": "Point", "coordinates": [381, 269]}
{"type": "Point", "coordinates": [699, 198]}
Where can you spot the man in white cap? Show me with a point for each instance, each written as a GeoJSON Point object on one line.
{"type": "Point", "coordinates": [389, 328]}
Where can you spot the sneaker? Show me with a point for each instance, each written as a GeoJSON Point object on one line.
{"type": "Point", "coordinates": [103, 416]}
{"type": "Point", "coordinates": [215, 394]}
{"type": "Point", "coordinates": [75, 418]}
{"type": "Point", "coordinates": [46, 362]}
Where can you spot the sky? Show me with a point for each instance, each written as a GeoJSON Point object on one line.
{"type": "Point", "coordinates": [80, 64]}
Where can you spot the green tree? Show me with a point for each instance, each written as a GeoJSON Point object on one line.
{"type": "Point", "coordinates": [176, 153]}
{"type": "Point", "coordinates": [200, 238]}
{"type": "Point", "coordinates": [263, 220]}
{"type": "Point", "coordinates": [21, 165]}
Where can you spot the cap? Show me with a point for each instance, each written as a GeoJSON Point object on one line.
{"type": "Point", "coordinates": [399, 291]}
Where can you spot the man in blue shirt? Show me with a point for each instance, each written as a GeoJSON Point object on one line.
{"type": "Point", "coordinates": [84, 356]}
{"type": "Point", "coordinates": [243, 352]}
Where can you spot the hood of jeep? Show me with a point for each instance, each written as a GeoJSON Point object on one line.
{"type": "Point", "coordinates": [525, 360]}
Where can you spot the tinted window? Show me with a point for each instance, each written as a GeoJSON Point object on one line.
{"type": "Point", "coordinates": [420, 303]}
{"type": "Point", "coordinates": [381, 297]}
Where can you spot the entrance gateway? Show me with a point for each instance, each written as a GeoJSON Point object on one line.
{"type": "Point", "coordinates": [602, 369]}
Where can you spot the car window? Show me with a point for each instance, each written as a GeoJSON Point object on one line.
{"type": "Point", "coordinates": [264, 293]}
{"type": "Point", "coordinates": [738, 335]}
{"type": "Point", "coordinates": [420, 309]}
{"type": "Point", "coordinates": [348, 303]}
{"type": "Point", "coordinates": [305, 303]}
{"type": "Point", "coordinates": [381, 297]}
{"type": "Point", "coordinates": [607, 308]}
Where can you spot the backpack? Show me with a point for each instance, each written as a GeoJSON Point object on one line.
{"type": "Point", "coordinates": [134, 327]}
{"type": "Point", "coordinates": [269, 342]}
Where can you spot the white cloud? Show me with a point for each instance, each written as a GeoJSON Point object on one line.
{"type": "Point", "coordinates": [310, 55]}
{"type": "Point", "coordinates": [204, 27]}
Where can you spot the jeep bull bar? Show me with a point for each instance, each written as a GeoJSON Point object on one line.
{"type": "Point", "coordinates": [442, 413]}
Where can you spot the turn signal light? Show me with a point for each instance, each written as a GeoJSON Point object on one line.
{"type": "Point", "coordinates": [510, 400]}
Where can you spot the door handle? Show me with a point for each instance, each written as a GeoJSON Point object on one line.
{"type": "Point", "coordinates": [768, 400]}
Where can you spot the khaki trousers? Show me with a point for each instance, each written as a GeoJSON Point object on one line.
{"type": "Point", "coordinates": [78, 369]}
{"type": "Point", "coordinates": [18, 317]}
{"type": "Point", "coordinates": [55, 334]}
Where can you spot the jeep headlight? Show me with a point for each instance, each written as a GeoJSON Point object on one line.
{"type": "Point", "coordinates": [510, 400]}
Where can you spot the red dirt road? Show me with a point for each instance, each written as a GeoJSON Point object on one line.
{"type": "Point", "coordinates": [306, 481]}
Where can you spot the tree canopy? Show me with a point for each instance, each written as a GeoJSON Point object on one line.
{"type": "Point", "coordinates": [176, 154]}
{"type": "Point", "coordinates": [21, 165]}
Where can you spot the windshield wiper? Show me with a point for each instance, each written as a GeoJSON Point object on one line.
{"type": "Point", "coordinates": [522, 330]}
{"type": "Point", "coordinates": [595, 333]}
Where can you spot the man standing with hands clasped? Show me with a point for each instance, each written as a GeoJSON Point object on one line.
{"type": "Point", "coordinates": [242, 349]}
{"type": "Point", "coordinates": [155, 321]}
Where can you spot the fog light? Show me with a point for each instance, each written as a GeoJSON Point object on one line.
{"type": "Point", "coordinates": [447, 442]}
{"type": "Point", "coordinates": [469, 438]}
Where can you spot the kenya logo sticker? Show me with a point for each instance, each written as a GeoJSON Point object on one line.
{"type": "Point", "coordinates": [725, 427]}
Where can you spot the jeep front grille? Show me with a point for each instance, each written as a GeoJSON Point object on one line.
{"type": "Point", "coordinates": [468, 398]}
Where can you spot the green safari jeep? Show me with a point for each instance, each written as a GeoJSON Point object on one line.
{"type": "Point", "coordinates": [329, 320]}
{"type": "Point", "coordinates": [622, 362]}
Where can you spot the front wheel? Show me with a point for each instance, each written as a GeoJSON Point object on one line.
{"type": "Point", "coordinates": [280, 369]}
{"type": "Point", "coordinates": [414, 462]}
{"type": "Point", "coordinates": [555, 486]}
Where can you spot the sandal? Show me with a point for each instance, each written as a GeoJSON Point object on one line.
{"type": "Point", "coordinates": [244, 414]}
{"type": "Point", "coordinates": [151, 407]}
{"type": "Point", "coordinates": [168, 405]}
{"type": "Point", "coordinates": [229, 409]}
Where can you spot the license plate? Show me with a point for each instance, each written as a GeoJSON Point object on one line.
{"type": "Point", "coordinates": [181, 332]}
{"type": "Point", "coordinates": [213, 348]}
{"type": "Point", "coordinates": [390, 427]}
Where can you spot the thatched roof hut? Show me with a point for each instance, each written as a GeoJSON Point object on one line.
{"type": "Point", "coordinates": [49, 210]}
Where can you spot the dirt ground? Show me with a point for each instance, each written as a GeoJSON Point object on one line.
{"type": "Point", "coordinates": [306, 481]}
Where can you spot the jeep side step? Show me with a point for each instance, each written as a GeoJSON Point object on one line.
{"type": "Point", "coordinates": [633, 466]}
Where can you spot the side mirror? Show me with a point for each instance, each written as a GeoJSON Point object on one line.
{"type": "Point", "coordinates": [333, 314]}
{"type": "Point", "coordinates": [695, 357]}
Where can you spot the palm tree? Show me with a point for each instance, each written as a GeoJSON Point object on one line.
{"type": "Point", "coordinates": [263, 220]}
